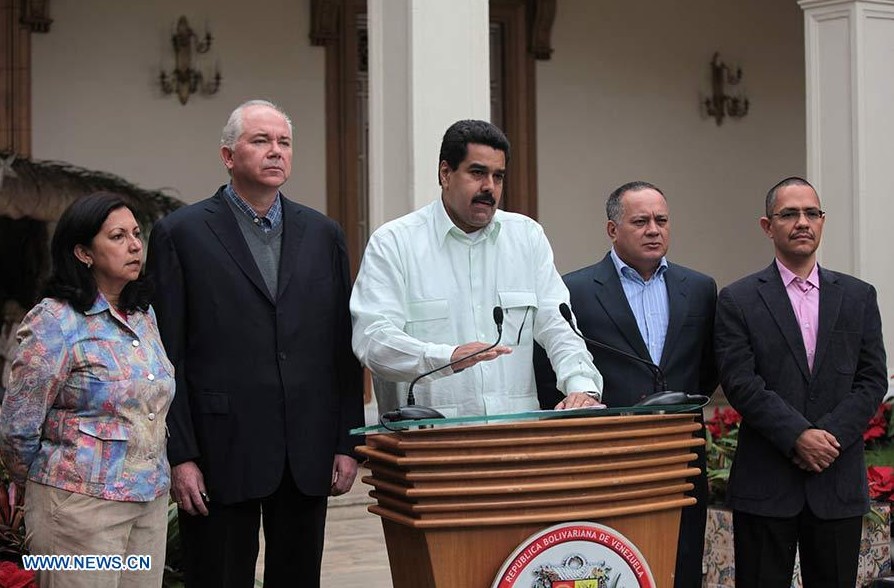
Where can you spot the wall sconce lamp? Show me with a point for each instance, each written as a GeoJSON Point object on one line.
{"type": "Point", "coordinates": [720, 104]}
{"type": "Point", "coordinates": [36, 15]}
{"type": "Point", "coordinates": [185, 79]}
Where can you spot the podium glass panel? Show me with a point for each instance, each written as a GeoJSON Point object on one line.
{"type": "Point", "coordinates": [534, 415]}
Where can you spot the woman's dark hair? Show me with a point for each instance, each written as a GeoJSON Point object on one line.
{"type": "Point", "coordinates": [70, 280]}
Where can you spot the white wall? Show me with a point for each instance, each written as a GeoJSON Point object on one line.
{"type": "Point", "coordinates": [619, 101]}
{"type": "Point", "coordinates": [96, 101]}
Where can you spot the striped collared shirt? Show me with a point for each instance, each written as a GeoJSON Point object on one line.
{"type": "Point", "coordinates": [648, 301]}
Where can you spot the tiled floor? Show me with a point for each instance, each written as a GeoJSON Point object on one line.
{"type": "Point", "coordinates": [354, 553]}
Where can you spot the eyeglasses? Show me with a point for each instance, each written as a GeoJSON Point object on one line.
{"type": "Point", "coordinates": [793, 214]}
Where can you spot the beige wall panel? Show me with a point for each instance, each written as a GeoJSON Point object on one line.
{"type": "Point", "coordinates": [97, 103]}
{"type": "Point", "coordinates": [620, 101]}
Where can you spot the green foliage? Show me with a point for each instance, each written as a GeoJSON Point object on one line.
{"type": "Point", "coordinates": [880, 455]}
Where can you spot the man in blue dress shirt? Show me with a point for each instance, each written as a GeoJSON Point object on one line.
{"type": "Point", "coordinates": [636, 301]}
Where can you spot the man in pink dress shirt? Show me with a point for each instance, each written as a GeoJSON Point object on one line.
{"type": "Point", "coordinates": [801, 357]}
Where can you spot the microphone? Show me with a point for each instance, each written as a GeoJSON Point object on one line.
{"type": "Point", "coordinates": [658, 379]}
{"type": "Point", "coordinates": [411, 412]}
{"type": "Point", "coordinates": [660, 396]}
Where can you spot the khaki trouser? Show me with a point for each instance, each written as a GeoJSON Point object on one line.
{"type": "Point", "coordinates": [61, 522]}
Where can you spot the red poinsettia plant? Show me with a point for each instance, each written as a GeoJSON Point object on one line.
{"type": "Point", "coordinates": [12, 539]}
{"type": "Point", "coordinates": [12, 576]}
{"type": "Point", "coordinates": [723, 434]}
{"type": "Point", "coordinates": [721, 441]}
{"type": "Point", "coordinates": [880, 454]}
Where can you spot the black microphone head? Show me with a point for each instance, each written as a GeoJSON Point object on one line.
{"type": "Point", "coordinates": [565, 311]}
{"type": "Point", "coordinates": [670, 398]}
{"type": "Point", "coordinates": [498, 316]}
{"type": "Point", "coordinates": [410, 413]}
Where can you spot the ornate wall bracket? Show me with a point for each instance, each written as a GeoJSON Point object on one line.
{"type": "Point", "coordinates": [543, 15]}
{"type": "Point", "coordinates": [36, 15]}
{"type": "Point", "coordinates": [324, 15]}
{"type": "Point", "coordinates": [186, 79]}
{"type": "Point", "coordinates": [720, 104]}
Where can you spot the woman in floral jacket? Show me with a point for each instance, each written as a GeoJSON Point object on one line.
{"type": "Point", "coordinates": [83, 420]}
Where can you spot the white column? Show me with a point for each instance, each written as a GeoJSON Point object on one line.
{"type": "Point", "coordinates": [429, 67]}
{"type": "Point", "coordinates": [850, 138]}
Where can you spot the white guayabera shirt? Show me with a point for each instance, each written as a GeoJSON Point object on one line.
{"type": "Point", "coordinates": [425, 287]}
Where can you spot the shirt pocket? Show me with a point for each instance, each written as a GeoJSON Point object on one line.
{"type": "Point", "coordinates": [101, 449]}
{"type": "Point", "coordinates": [213, 403]}
{"type": "Point", "coordinates": [519, 309]}
{"type": "Point", "coordinates": [428, 320]}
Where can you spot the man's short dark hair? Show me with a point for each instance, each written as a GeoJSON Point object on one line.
{"type": "Point", "coordinates": [613, 206]}
{"type": "Point", "coordinates": [455, 145]}
{"type": "Point", "coordinates": [770, 202]}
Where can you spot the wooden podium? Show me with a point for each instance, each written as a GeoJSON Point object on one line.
{"type": "Point", "coordinates": [456, 501]}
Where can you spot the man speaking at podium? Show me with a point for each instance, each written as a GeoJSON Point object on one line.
{"type": "Point", "coordinates": [430, 281]}
{"type": "Point", "coordinates": [661, 313]}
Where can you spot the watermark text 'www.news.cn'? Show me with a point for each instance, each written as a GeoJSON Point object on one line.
{"type": "Point", "coordinates": [118, 563]}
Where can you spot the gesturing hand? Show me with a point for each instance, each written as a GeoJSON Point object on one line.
{"type": "Point", "coordinates": [469, 348]}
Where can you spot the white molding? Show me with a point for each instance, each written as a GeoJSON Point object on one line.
{"type": "Point", "coordinates": [858, 137]}
{"type": "Point", "coordinates": [848, 88]}
{"type": "Point", "coordinates": [812, 4]}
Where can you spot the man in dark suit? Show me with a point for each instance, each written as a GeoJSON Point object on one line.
{"type": "Point", "coordinates": [801, 357]}
{"type": "Point", "coordinates": [636, 301]}
{"type": "Point", "coordinates": [253, 310]}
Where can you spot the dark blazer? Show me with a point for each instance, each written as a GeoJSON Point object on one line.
{"type": "Point", "coordinates": [603, 314]}
{"type": "Point", "coordinates": [260, 379]}
{"type": "Point", "coordinates": [764, 373]}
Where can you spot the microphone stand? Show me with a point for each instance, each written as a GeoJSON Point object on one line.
{"type": "Point", "coordinates": [659, 382]}
{"type": "Point", "coordinates": [412, 412]}
{"type": "Point", "coordinates": [661, 395]}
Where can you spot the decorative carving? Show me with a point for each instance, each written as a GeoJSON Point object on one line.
{"type": "Point", "coordinates": [543, 14]}
{"type": "Point", "coordinates": [324, 15]}
{"type": "Point", "coordinates": [36, 15]}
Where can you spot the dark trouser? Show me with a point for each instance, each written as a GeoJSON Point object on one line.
{"type": "Point", "coordinates": [765, 550]}
{"type": "Point", "coordinates": [221, 550]}
{"type": "Point", "coordinates": [691, 542]}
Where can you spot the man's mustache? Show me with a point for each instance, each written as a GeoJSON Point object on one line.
{"type": "Point", "coordinates": [484, 199]}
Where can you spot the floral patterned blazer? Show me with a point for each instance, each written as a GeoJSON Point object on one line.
{"type": "Point", "coordinates": [87, 400]}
